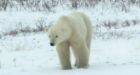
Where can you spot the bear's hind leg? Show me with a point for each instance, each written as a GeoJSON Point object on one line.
{"type": "Point", "coordinates": [64, 55]}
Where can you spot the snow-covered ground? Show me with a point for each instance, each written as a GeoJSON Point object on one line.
{"type": "Point", "coordinates": [32, 55]}
{"type": "Point", "coordinates": [113, 51]}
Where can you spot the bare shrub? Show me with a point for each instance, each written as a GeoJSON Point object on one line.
{"type": "Point", "coordinates": [26, 30]}
{"type": "Point", "coordinates": [49, 5]}
{"type": "Point", "coordinates": [0, 36]}
{"type": "Point", "coordinates": [12, 32]}
{"type": "Point", "coordinates": [40, 27]}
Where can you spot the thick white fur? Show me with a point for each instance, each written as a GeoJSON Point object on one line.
{"type": "Point", "coordinates": [73, 30]}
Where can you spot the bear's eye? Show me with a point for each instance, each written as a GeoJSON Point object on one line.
{"type": "Point", "coordinates": [56, 36]}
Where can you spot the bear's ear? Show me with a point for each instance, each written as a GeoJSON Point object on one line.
{"type": "Point", "coordinates": [48, 26]}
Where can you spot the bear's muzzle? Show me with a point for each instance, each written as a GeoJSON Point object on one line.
{"type": "Point", "coordinates": [51, 44]}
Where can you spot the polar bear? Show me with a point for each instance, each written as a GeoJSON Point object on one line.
{"type": "Point", "coordinates": [75, 31]}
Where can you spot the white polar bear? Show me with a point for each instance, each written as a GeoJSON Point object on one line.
{"type": "Point", "coordinates": [73, 30]}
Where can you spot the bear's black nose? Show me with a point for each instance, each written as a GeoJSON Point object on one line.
{"type": "Point", "coordinates": [52, 44]}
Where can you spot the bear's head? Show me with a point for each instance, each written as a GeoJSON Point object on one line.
{"type": "Point", "coordinates": [58, 34]}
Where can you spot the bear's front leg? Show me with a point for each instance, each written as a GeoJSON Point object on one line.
{"type": "Point", "coordinates": [81, 53]}
{"type": "Point", "coordinates": [64, 55]}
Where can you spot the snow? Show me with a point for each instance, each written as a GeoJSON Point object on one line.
{"type": "Point", "coordinates": [16, 20]}
{"type": "Point", "coordinates": [30, 54]}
